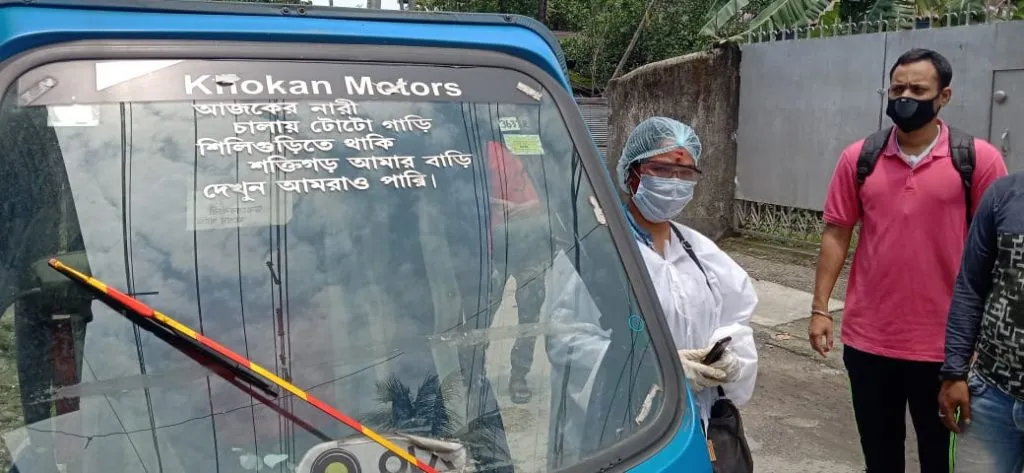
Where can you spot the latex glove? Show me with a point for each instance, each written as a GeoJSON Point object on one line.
{"type": "Point", "coordinates": [729, 363]}
{"type": "Point", "coordinates": [699, 375]}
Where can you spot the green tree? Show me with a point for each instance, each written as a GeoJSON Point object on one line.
{"type": "Point", "coordinates": [607, 27]}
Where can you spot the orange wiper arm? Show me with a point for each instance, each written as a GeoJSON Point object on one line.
{"type": "Point", "coordinates": [122, 301]}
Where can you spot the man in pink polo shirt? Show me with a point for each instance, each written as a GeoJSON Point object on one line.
{"type": "Point", "coordinates": [913, 205]}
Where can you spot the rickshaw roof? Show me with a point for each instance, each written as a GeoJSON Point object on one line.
{"type": "Point", "coordinates": [26, 24]}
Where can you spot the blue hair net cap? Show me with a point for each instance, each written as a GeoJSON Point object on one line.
{"type": "Point", "coordinates": [654, 136]}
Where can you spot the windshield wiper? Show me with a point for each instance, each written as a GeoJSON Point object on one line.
{"type": "Point", "coordinates": [208, 352]}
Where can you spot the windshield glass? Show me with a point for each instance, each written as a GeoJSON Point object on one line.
{"type": "Point", "coordinates": [416, 246]}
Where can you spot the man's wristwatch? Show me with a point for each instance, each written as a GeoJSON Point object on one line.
{"type": "Point", "coordinates": [950, 376]}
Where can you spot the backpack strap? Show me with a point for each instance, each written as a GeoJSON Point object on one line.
{"type": "Point", "coordinates": [961, 151]}
{"type": "Point", "coordinates": [691, 254]}
{"type": "Point", "coordinates": [869, 153]}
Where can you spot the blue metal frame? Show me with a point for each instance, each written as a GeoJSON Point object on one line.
{"type": "Point", "coordinates": [25, 27]}
{"type": "Point", "coordinates": [29, 24]}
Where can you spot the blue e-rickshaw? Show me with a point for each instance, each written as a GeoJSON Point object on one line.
{"type": "Point", "coordinates": [400, 215]}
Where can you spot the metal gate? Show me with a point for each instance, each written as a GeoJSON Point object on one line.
{"type": "Point", "coordinates": [1007, 121]}
{"type": "Point", "coordinates": [803, 101]}
{"type": "Point", "coordinates": [595, 114]}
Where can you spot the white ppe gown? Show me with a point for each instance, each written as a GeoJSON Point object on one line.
{"type": "Point", "coordinates": [698, 315]}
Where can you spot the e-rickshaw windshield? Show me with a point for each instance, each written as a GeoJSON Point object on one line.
{"type": "Point", "coordinates": [417, 246]}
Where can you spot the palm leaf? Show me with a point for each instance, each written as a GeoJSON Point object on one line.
{"type": "Point", "coordinates": [393, 389]}
{"type": "Point", "coordinates": [485, 438]}
{"type": "Point", "coordinates": [402, 406]}
{"type": "Point", "coordinates": [432, 406]}
{"type": "Point", "coordinates": [720, 14]}
{"type": "Point", "coordinates": [786, 14]}
{"type": "Point", "coordinates": [427, 413]}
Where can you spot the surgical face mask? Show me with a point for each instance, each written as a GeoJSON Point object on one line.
{"type": "Point", "coordinates": [661, 198]}
{"type": "Point", "coordinates": [911, 114]}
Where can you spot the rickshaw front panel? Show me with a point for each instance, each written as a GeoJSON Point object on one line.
{"type": "Point", "coordinates": [385, 210]}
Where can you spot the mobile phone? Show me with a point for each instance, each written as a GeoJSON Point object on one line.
{"type": "Point", "coordinates": [716, 351]}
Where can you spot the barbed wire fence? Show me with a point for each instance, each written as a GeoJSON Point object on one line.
{"type": "Point", "coordinates": [944, 20]}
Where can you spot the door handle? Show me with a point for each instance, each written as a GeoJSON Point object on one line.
{"type": "Point", "coordinates": [1004, 144]}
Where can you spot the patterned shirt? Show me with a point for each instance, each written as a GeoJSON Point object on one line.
{"type": "Point", "coordinates": [987, 311]}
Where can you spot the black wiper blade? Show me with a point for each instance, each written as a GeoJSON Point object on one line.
{"type": "Point", "coordinates": [201, 354]}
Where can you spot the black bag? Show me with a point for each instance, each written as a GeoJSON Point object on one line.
{"type": "Point", "coordinates": [961, 150]}
{"type": "Point", "coordinates": [727, 443]}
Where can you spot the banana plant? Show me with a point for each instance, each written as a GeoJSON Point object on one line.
{"type": "Point", "coordinates": [791, 14]}
{"type": "Point", "coordinates": [778, 14]}
{"type": "Point", "coordinates": [891, 10]}
{"type": "Point", "coordinates": [720, 14]}
{"type": "Point", "coordinates": [783, 14]}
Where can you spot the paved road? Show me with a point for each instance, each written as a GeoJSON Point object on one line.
{"type": "Point", "coordinates": [800, 419]}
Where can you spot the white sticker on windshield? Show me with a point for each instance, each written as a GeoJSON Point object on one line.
{"type": "Point", "coordinates": [598, 211]}
{"type": "Point", "coordinates": [508, 124]}
{"type": "Point", "coordinates": [111, 73]}
{"type": "Point", "coordinates": [211, 214]}
{"type": "Point", "coordinates": [72, 115]}
{"type": "Point", "coordinates": [533, 93]}
{"type": "Point", "coordinates": [39, 89]}
{"type": "Point", "coordinates": [524, 144]}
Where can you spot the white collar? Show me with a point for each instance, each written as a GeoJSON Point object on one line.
{"type": "Point", "coordinates": [914, 159]}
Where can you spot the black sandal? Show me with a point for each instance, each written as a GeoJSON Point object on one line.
{"type": "Point", "coordinates": [519, 390]}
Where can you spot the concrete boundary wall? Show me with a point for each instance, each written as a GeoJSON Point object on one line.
{"type": "Point", "coordinates": [702, 90]}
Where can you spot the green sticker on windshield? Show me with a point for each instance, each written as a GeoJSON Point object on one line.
{"type": "Point", "coordinates": [524, 144]}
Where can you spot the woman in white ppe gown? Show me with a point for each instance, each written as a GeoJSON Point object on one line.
{"type": "Point", "coordinates": [658, 170]}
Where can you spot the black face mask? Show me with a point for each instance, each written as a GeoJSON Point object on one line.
{"type": "Point", "coordinates": [911, 114]}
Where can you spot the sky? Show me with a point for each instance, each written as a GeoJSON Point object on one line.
{"type": "Point", "coordinates": [385, 4]}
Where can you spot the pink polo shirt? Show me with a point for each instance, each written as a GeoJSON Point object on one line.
{"type": "Point", "coordinates": [908, 255]}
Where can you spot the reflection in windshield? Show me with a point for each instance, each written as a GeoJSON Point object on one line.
{"type": "Point", "coordinates": [207, 351]}
{"type": "Point", "coordinates": [392, 256]}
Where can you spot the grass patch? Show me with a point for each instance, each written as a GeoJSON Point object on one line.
{"type": "Point", "coordinates": [10, 398]}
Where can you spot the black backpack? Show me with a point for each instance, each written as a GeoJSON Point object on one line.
{"type": "Point", "coordinates": [961, 151]}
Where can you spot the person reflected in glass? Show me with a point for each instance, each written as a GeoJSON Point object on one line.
{"type": "Point", "coordinates": [704, 294]}
{"type": "Point", "coordinates": [517, 222]}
